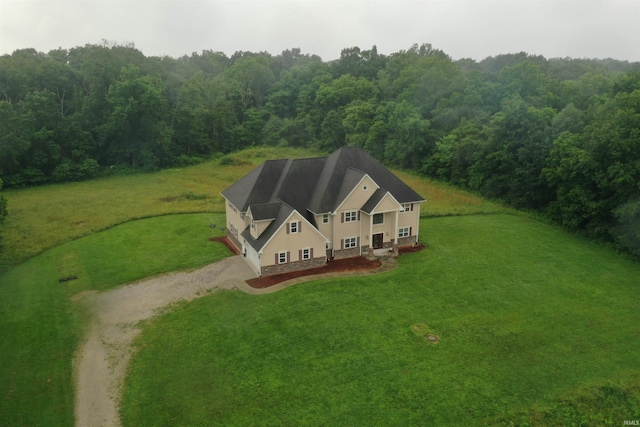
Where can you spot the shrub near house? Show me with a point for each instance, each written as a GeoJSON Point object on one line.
{"type": "Point", "coordinates": [288, 215]}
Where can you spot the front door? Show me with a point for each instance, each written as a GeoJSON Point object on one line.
{"type": "Point", "coordinates": [377, 241]}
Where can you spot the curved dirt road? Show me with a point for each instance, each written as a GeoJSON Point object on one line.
{"type": "Point", "coordinates": [102, 359]}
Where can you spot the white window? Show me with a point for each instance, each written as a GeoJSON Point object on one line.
{"type": "Point", "coordinates": [404, 231]}
{"type": "Point", "coordinates": [306, 253]}
{"type": "Point", "coordinates": [406, 207]}
{"type": "Point", "coordinates": [378, 218]}
{"type": "Point", "coordinates": [253, 225]}
{"type": "Point", "coordinates": [351, 216]}
{"type": "Point", "coordinates": [350, 242]}
{"type": "Point", "coordinates": [325, 218]}
{"type": "Point", "coordinates": [282, 257]}
{"type": "Point", "coordinates": [293, 227]}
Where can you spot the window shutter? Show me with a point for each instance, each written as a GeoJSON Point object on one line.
{"type": "Point", "coordinates": [358, 215]}
{"type": "Point", "coordinates": [357, 241]}
{"type": "Point", "coordinates": [288, 228]}
{"type": "Point", "coordinates": [342, 217]}
{"type": "Point", "coordinates": [299, 226]}
{"type": "Point", "coordinates": [341, 243]}
{"type": "Point", "coordinates": [288, 256]}
{"type": "Point", "coordinates": [410, 234]}
{"type": "Point", "coordinates": [300, 254]}
{"type": "Point", "coordinates": [311, 253]}
{"type": "Point", "coordinates": [411, 207]}
{"type": "Point", "coordinates": [277, 260]}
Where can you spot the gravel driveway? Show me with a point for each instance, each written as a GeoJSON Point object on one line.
{"type": "Point", "coordinates": [101, 361]}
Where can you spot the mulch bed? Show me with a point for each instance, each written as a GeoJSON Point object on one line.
{"type": "Point", "coordinates": [339, 265]}
{"type": "Point", "coordinates": [409, 249]}
{"type": "Point", "coordinates": [227, 243]}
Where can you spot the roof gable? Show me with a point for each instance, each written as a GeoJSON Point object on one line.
{"type": "Point", "coordinates": [379, 197]}
{"type": "Point", "coordinates": [315, 185]}
{"type": "Point", "coordinates": [334, 174]}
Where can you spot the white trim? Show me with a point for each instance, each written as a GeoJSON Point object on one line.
{"type": "Point", "coordinates": [293, 224]}
{"type": "Point", "coordinates": [355, 242]}
{"type": "Point", "coordinates": [373, 210]}
{"type": "Point", "coordinates": [356, 187]}
{"type": "Point", "coordinates": [373, 216]}
{"type": "Point", "coordinates": [302, 218]}
{"type": "Point", "coordinates": [352, 214]}
{"type": "Point", "coordinates": [259, 220]}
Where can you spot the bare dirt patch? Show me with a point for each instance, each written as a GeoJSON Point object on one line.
{"type": "Point", "coordinates": [227, 243]}
{"type": "Point", "coordinates": [409, 249]}
{"type": "Point", "coordinates": [335, 266]}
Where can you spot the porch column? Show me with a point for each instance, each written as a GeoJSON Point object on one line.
{"type": "Point", "coordinates": [370, 233]}
{"type": "Point", "coordinates": [395, 230]}
{"type": "Point", "coordinates": [417, 224]}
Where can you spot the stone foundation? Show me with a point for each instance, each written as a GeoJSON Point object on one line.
{"type": "Point", "coordinates": [270, 270]}
{"type": "Point", "coordinates": [346, 253]}
{"type": "Point", "coordinates": [407, 241]}
{"type": "Point", "coordinates": [235, 241]}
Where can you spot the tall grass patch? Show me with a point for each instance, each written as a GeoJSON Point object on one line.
{"type": "Point", "coordinates": [42, 217]}
{"type": "Point", "coordinates": [524, 313]}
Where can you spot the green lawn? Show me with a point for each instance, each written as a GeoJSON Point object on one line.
{"type": "Point", "coordinates": [57, 231]}
{"type": "Point", "coordinates": [551, 318]}
{"type": "Point", "coordinates": [40, 327]}
{"type": "Point", "coordinates": [532, 322]}
{"type": "Point", "coordinates": [43, 217]}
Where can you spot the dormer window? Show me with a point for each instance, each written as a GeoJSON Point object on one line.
{"type": "Point", "coordinates": [325, 218]}
{"type": "Point", "coordinates": [406, 207]}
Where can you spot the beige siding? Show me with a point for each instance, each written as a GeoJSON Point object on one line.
{"type": "Point", "coordinates": [359, 196]}
{"type": "Point", "coordinates": [387, 228]}
{"type": "Point", "coordinates": [387, 204]}
{"type": "Point", "coordinates": [326, 229]}
{"type": "Point", "coordinates": [235, 223]}
{"type": "Point", "coordinates": [353, 202]}
{"type": "Point", "coordinates": [410, 219]}
{"type": "Point", "coordinates": [306, 237]}
{"type": "Point", "coordinates": [259, 227]}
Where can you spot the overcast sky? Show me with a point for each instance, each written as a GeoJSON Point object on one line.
{"type": "Point", "coordinates": [462, 29]}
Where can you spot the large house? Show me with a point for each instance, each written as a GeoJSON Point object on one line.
{"type": "Point", "coordinates": [294, 214]}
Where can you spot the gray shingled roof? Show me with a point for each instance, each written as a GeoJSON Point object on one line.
{"type": "Point", "coordinates": [334, 174]}
{"type": "Point", "coordinates": [265, 211]}
{"type": "Point", "coordinates": [374, 200]}
{"type": "Point", "coordinates": [315, 185]}
{"type": "Point", "coordinates": [283, 212]}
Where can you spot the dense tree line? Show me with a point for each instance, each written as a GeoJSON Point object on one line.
{"type": "Point", "coordinates": [557, 136]}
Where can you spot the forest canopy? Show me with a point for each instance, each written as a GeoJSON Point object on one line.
{"type": "Point", "coordinates": [557, 136]}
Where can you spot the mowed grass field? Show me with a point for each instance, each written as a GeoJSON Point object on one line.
{"type": "Point", "coordinates": [535, 327]}
{"type": "Point", "coordinates": [534, 324]}
{"type": "Point", "coordinates": [43, 217]}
